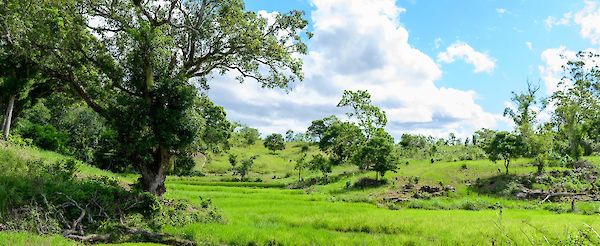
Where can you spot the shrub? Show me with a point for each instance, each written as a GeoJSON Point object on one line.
{"type": "Point", "coordinates": [47, 198]}
{"type": "Point", "coordinates": [45, 136]}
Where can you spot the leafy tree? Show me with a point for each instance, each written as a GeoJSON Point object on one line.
{"type": "Point", "coordinates": [301, 164]}
{"type": "Point", "coordinates": [317, 128]}
{"type": "Point", "coordinates": [577, 105]}
{"type": "Point", "coordinates": [377, 154]}
{"type": "Point", "coordinates": [20, 78]}
{"type": "Point", "coordinates": [249, 134]}
{"type": "Point", "coordinates": [139, 67]}
{"type": "Point", "coordinates": [232, 160]}
{"type": "Point", "coordinates": [542, 145]}
{"type": "Point", "coordinates": [483, 138]}
{"type": "Point", "coordinates": [289, 136]}
{"type": "Point", "coordinates": [216, 129]}
{"type": "Point", "coordinates": [524, 115]}
{"type": "Point", "coordinates": [184, 166]}
{"type": "Point", "coordinates": [274, 142]}
{"type": "Point", "coordinates": [341, 140]}
{"type": "Point", "coordinates": [370, 117]}
{"type": "Point", "coordinates": [320, 163]}
{"type": "Point", "coordinates": [244, 167]}
{"type": "Point", "coordinates": [506, 146]}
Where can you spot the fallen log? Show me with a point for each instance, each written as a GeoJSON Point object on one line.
{"type": "Point", "coordinates": [550, 195]}
{"type": "Point", "coordinates": [141, 236]}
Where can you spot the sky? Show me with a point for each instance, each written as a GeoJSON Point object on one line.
{"type": "Point", "coordinates": [435, 67]}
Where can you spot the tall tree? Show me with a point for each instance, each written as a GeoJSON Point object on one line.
{"type": "Point", "coordinates": [578, 104]}
{"type": "Point", "coordinates": [17, 66]}
{"type": "Point", "coordinates": [369, 117]}
{"type": "Point", "coordinates": [524, 114]}
{"type": "Point", "coordinates": [139, 63]}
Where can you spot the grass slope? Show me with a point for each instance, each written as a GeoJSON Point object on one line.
{"type": "Point", "coordinates": [259, 213]}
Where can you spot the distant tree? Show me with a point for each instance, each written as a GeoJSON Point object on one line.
{"type": "Point", "coordinates": [577, 106]}
{"type": "Point", "coordinates": [341, 140]}
{"type": "Point", "coordinates": [524, 114]}
{"type": "Point", "coordinates": [244, 167]}
{"type": "Point", "coordinates": [300, 165]}
{"type": "Point", "coordinates": [289, 136]}
{"type": "Point", "coordinates": [506, 146]}
{"type": "Point", "coordinates": [542, 145]}
{"type": "Point", "coordinates": [483, 137]}
{"type": "Point", "coordinates": [318, 127]}
{"type": "Point", "coordinates": [452, 139]}
{"type": "Point", "coordinates": [232, 160]}
{"type": "Point", "coordinates": [249, 135]}
{"type": "Point", "coordinates": [274, 142]}
{"type": "Point", "coordinates": [320, 163]}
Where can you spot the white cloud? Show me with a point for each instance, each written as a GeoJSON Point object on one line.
{"type": "Point", "coordinates": [589, 21]}
{"type": "Point", "coordinates": [552, 71]}
{"type": "Point", "coordinates": [529, 45]}
{"type": "Point", "coordinates": [459, 50]}
{"type": "Point", "coordinates": [360, 44]}
{"type": "Point", "coordinates": [552, 21]}
{"type": "Point", "coordinates": [501, 11]}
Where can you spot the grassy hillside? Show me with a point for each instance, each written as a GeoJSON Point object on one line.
{"type": "Point", "coordinates": [268, 212]}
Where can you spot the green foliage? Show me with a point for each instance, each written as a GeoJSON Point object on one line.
{"type": "Point", "coordinates": [377, 154]}
{"type": "Point", "coordinates": [341, 140]}
{"type": "Point", "coordinates": [244, 167]}
{"type": "Point", "coordinates": [506, 146]}
{"type": "Point", "coordinates": [321, 164]}
{"type": "Point", "coordinates": [577, 107]}
{"type": "Point", "coordinates": [249, 135]}
{"type": "Point", "coordinates": [143, 79]}
{"type": "Point", "coordinates": [274, 142]}
{"type": "Point", "coordinates": [184, 166]}
{"type": "Point", "coordinates": [45, 136]}
{"type": "Point", "coordinates": [370, 117]}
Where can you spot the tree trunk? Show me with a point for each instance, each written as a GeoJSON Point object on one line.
{"type": "Point", "coordinates": [8, 117]}
{"type": "Point", "coordinates": [506, 164]}
{"type": "Point", "coordinates": [154, 176]}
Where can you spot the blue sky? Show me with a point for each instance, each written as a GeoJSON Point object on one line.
{"type": "Point", "coordinates": [435, 66]}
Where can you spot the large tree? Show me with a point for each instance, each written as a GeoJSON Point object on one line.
{"type": "Point", "coordinates": [578, 105]}
{"type": "Point", "coordinates": [140, 63]}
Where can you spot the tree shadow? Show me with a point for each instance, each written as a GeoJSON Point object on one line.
{"type": "Point", "coordinates": [499, 185]}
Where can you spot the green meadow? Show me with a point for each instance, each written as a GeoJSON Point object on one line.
{"type": "Point", "coordinates": [270, 213]}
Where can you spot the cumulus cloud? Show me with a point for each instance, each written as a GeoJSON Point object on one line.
{"type": "Point", "coordinates": [359, 44]}
{"type": "Point", "coordinates": [589, 21]}
{"type": "Point", "coordinates": [555, 59]}
{"type": "Point", "coordinates": [501, 11]}
{"type": "Point", "coordinates": [529, 45]}
{"type": "Point", "coordinates": [482, 62]}
{"type": "Point", "coordinates": [551, 71]}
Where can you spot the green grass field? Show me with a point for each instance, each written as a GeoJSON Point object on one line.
{"type": "Point", "coordinates": [268, 213]}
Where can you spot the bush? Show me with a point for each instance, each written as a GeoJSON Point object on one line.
{"type": "Point", "coordinates": [45, 136]}
{"type": "Point", "coordinates": [47, 198]}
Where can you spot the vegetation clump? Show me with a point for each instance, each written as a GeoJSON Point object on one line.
{"type": "Point", "coordinates": [48, 198]}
